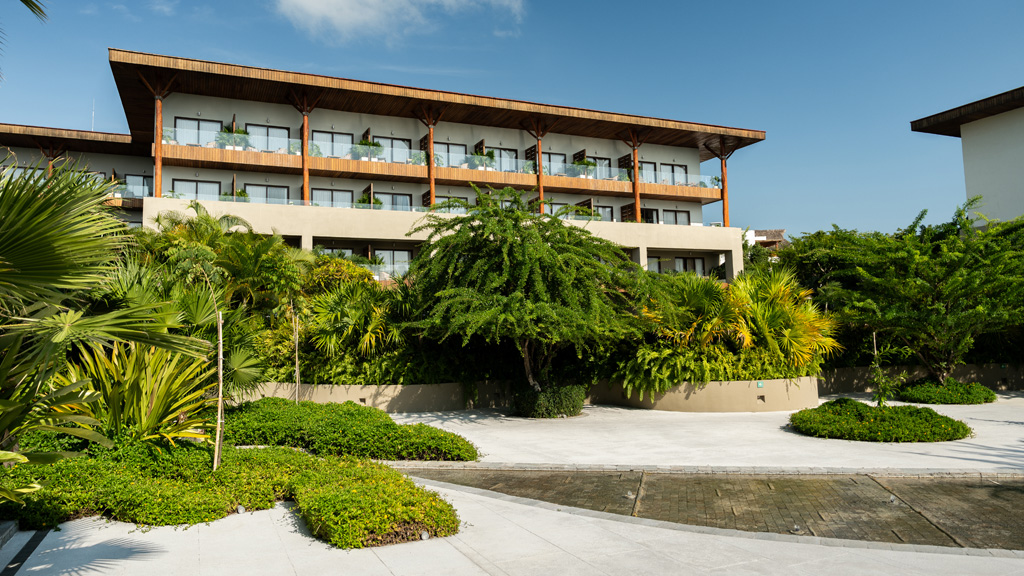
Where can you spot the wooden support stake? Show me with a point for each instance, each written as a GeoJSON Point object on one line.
{"type": "Point", "coordinates": [219, 434]}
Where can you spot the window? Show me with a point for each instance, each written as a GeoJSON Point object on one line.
{"type": "Point", "coordinates": [188, 132]}
{"type": "Point", "coordinates": [457, 210]}
{"type": "Point", "coordinates": [196, 189]}
{"type": "Point", "coordinates": [695, 265]}
{"type": "Point", "coordinates": [450, 155]}
{"type": "Point", "coordinates": [555, 207]}
{"type": "Point", "coordinates": [648, 172]}
{"type": "Point", "coordinates": [268, 138]}
{"type": "Point", "coordinates": [653, 264]}
{"type": "Point", "coordinates": [679, 217]}
{"type": "Point", "coordinates": [400, 202]}
{"type": "Point", "coordinates": [673, 174]}
{"type": "Point", "coordinates": [649, 215]}
{"type": "Point", "coordinates": [506, 160]}
{"type": "Point", "coordinates": [333, 144]}
{"type": "Point", "coordinates": [553, 163]}
{"type": "Point", "coordinates": [604, 168]}
{"type": "Point", "coordinates": [346, 252]}
{"type": "Point", "coordinates": [607, 213]}
{"type": "Point", "coordinates": [334, 198]}
{"type": "Point", "coordinates": [396, 262]}
{"type": "Point", "coordinates": [269, 194]}
{"type": "Point", "coordinates": [138, 186]}
{"type": "Point", "coordinates": [395, 149]}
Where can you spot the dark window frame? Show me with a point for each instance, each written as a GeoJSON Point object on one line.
{"type": "Point", "coordinates": [198, 130]}
{"type": "Point", "coordinates": [677, 212]}
{"type": "Point", "coordinates": [312, 141]}
{"type": "Point", "coordinates": [220, 185]}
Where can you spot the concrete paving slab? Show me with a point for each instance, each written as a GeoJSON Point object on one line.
{"type": "Point", "coordinates": [613, 437]}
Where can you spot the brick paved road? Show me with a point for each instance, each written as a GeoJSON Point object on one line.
{"type": "Point", "coordinates": [975, 513]}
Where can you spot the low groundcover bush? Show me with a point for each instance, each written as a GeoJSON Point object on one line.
{"type": "Point", "coordinates": [950, 392]}
{"type": "Point", "coordinates": [849, 419]}
{"type": "Point", "coordinates": [349, 503]}
{"type": "Point", "coordinates": [340, 429]}
{"type": "Point", "coordinates": [550, 402]}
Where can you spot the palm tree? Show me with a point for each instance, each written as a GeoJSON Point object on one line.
{"type": "Point", "coordinates": [57, 240]}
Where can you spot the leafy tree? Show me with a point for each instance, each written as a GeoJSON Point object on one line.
{"type": "Point", "coordinates": [505, 274]}
{"type": "Point", "coordinates": [931, 288]}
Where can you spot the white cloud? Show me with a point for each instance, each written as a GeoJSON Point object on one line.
{"type": "Point", "coordinates": [344, 20]}
{"type": "Point", "coordinates": [89, 9]}
{"type": "Point", "coordinates": [165, 7]}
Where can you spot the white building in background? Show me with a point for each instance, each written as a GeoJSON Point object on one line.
{"type": "Point", "coordinates": [283, 151]}
{"type": "Point", "coordinates": [991, 133]}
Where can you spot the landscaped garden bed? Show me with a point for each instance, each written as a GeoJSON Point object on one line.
{"type": "Point", "coordinates": [349, 503]}
{"type": "Point", "coordinates": [949, 392]}
{"type": "Point", "coordinates": [848, 419]}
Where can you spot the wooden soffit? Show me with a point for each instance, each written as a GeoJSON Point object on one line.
{"type": "Point", "coordinates": [231, 81]}
{"type": "Point", "coordinates": [948, 123]}
{"type": "Point", "coordinates": [39, 137]}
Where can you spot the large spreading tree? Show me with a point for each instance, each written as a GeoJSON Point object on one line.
{"type": "Point", "coordinates": [931, 288]}
{"type": "Point", "coordinates": [504, 273]}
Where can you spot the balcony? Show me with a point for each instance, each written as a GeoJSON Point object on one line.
{"type": "Point", "coordinates": [240, 152]}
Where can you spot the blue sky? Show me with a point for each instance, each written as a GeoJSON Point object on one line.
{"type": "Point", "coordinates": [835, 85]}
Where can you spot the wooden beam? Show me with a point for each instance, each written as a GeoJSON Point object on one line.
{"type": "Point", "coordinates": [430, 163]}
{"type": "Point", "coordinates": [540, 172]}
{"type": "Point", "coordinates": [305, 158]}
{"type": "Point", "coordinates": [636, 182]}
{"type": "Point", "coordinates": [723, 154]}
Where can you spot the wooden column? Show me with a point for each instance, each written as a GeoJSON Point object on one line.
{"type": "Point", "coordinates": [305, 158]}
{"type": "Point", "coordinates": [158, 148]}
{"type": "Point", "coordinates": [430, 164]}
{"type": "Point", "coordinates": [725, 194]}
{"type": "Point", "coordinates": [636, 182]}
{"type": "Point", "coordinates": [723, 154]}
{"type": "Point", "coordinates": [430, 118]}
{"type": "Point", "coordinates": [540, 174]}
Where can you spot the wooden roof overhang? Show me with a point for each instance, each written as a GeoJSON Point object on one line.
{"type": "Point", "coordinates": [948, 123]}
{"type": "Point", "coordinates": [280, 87]}
{"type": "Point", "coordinates": [60, 139]}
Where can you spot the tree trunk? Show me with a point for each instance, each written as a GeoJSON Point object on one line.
{"type": "Point", "coordinates": [524, 347]}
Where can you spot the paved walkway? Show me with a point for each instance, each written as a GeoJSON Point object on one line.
{"type": "Point", "coordinates": [501, 535]}
{"type": "Point", "coordinates": [605, 436]}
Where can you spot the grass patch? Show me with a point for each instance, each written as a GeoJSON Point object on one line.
{"type": "Point", "coordinates": [349, 503]}
{"type": "Point", "coordinates": [340, 429]}
{"type": "Point", "coordinates": [849, 419]}
{"type": "Point", "coordinates": [949, 392]}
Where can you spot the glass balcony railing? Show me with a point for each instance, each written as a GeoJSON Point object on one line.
{"type": "Point", "coordinates": [384, 272]}
{"type": "Point", "coordinates": [231, 141]}
{"type": "Point", "coordinates": [677, 179]}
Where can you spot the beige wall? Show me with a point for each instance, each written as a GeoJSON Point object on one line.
{"type": "Point", "coordinates": [740, 396]}
{"type": "Point", "coordinates": [411, 398]}
{"type": "Point", "coordinates": [993, 150]}
{"type": "Point", "coordinates": [1000, 377]}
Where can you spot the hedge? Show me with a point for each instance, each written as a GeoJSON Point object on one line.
{"type": "Point", "coordinates": [340, 429]}
{"type": "Point", "coordinates": [550, 402]}
{"type": "Point", "coordinates": [950, 392]}
{"type": "Point", "coordinates": [849, 419]}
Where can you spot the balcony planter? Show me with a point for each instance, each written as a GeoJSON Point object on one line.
{"type": "Point", "coordinates": [366, 150]}
{"type": "Point", "coordinates": [482, 162]}
{"type": "Point", "coordinates": [229, 139]}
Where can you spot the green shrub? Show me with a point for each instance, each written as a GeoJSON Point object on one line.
{"type": "Point", "coordinates": [348, 503]}
{"type": "Point", "coordinates": [949, 392]}
{"type": "Point", "coordinates": [340, 429]}
{"type": "Point", "coordinates": [550, 402]}
{"type": "Point", "coordinates": [849, 419]}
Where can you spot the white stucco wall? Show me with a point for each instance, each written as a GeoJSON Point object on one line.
{"type": "Point", "coordinates": [993, 151]}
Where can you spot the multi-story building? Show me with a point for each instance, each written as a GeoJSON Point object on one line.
{"type": "Point", "coordinates": [351, 165]}
{"type": "Point", "coordinates": [991, 132]}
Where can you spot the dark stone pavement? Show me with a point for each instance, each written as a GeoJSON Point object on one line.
{"type": "Point", "coordinates": [955, 512]}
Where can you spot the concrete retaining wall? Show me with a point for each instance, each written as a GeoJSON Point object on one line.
{"type": "Point", "coordinates": [411, 398]}
{"type": "Point", "coordinates": [999, 377]}
{"type": "Point", "coordinates": [738, 396]}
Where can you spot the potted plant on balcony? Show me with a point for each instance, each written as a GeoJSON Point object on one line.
{"type": "Point", "coordinates": [584, 168]}
{"type": "Point", "coordinates": [417, 158]}
{"type": "Point", "coordinates": [530, 167]}
{"type": "Point", "coordinates": [229, 139]}
{"type": "Point", "coordinates": [367, 150]}
{"type": "Point", "coordinates": [169, 136]}
{"type": "Point", "coordinates": [364, 202]}
{"type": "Point", "coordinates": [484, 161]}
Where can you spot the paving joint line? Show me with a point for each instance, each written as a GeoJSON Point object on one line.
{"type": "Point", "coordinates": [919, 513]}
{"type": "Point", "coordinates": [729, 532]}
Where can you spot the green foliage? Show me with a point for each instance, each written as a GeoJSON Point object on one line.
{"type": "Point", "coordinates": [363, 316]}
{"type": "Point", "coordinates": [550, 402]}
{"type": "Point", "coordinates": [348, 503]}
{"type": "Point", "coordinates": [887, 385]}
{"type": "Point", "coordinates": [145, 394]}
{"type": "Point", "coordinates": [329, 273]}
{"type": "Point", "coordinates": [849, 419]}
{"type": "Point", "coordinates": [951, 391]}
{"type": "Point", "coordinates": [931, 288]}
{"type": "Point", "coordinates": [367, 149]}
{"type": "Point", "coordinates": [532, 282]}
{"type": "Point", "coordinates": [339, 429]}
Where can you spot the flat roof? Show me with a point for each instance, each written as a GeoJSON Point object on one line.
{"type": "Point", "coordinates": [132, 70]}
{"type": "Point", "coordinates": [948, 123]}
{"type": "Point", "coordinates": [62, 139]}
